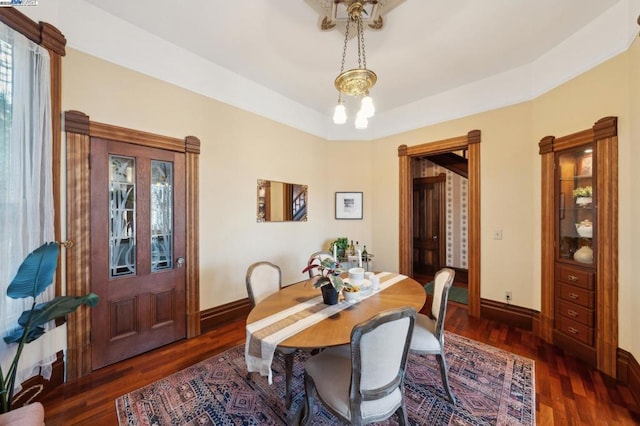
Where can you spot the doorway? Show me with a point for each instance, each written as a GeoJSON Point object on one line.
{"type": "Point", "coordinates": [137, 249]}
{"type": "Point", "coordinates": [80, 133]}
{"type": "Point", "coordinates": [428, 224]}
{"type": "Point", "coordinates": [471, 143]}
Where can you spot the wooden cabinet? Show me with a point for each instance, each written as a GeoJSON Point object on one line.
{"type": "Point", "coordinates": [579, 310]}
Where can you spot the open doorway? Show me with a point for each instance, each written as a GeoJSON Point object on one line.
{"type": "Point", "coordinates": [470, 143]}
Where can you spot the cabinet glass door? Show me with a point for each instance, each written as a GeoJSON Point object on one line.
{"type": "Point", "coordinates": [576, 205]}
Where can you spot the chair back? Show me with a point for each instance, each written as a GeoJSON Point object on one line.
{"type": "Point", "coordinates": [442, 284]}
{"type": "Point", "coordinates": [263, 279]}
{"type": "Point", "coordinates": [320, 255]}
{"type": "Point", "coordinates": [379, 349]}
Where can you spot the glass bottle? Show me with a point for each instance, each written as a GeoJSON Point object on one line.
{"type": "Point", "coordinates": [352, 249]}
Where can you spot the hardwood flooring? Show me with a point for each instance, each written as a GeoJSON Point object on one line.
{"type": "Point", "coordinates": [567, 391]}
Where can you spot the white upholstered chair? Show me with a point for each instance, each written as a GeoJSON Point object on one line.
{"type": "Point", "coordinates": [428, 333]}
{"type": "Point", "coordinates": [363, 382]}
{"type": "Point", "coordinates": [263, 279]}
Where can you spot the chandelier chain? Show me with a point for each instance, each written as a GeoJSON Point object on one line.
{"type": "Point", "coordinates": [361, 45]}
{"type": "Point", "coordinates": [344, 48]}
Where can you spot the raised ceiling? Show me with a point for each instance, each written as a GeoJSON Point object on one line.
{"type": "Point", "coordinates": [435, 59]}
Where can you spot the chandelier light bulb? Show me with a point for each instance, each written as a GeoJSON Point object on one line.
{"type": "Point", "coordinates": [366, 107]}
{"type": "Point", "coordinates": [361, 121]}
{"type": "Point", "coordinates": [340, 114]}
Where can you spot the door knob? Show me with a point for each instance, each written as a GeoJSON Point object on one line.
{"type": "Point", "coordinates": [435, 237]}
{"type": "Point", "coordinates": [180, 262]}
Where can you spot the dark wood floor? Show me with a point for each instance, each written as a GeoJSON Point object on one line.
{"type": "Point", "coordinates": [567, 391]}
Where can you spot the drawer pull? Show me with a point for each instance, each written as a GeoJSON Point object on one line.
{"type": "Point", "coordinates": [573, 330]}
{"type": "Point", "coordinates": [573, 296]}
{"type": "Point", "coordinates": [572, 313]}
{"type": "Point", "coordinates": [572, 278]}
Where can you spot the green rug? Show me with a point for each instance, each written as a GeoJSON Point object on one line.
{"type": "Point", "coordinates": [456, 294]}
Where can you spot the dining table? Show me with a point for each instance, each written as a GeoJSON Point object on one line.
{"type": "Point", "coordinates": [296, 317]}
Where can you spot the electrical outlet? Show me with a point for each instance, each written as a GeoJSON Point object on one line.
{"type": "Point", "coordinates": [507, 296]}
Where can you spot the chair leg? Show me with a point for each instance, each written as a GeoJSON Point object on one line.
{"type": "Point", "coordinates": [401, 412]}
{"type": "Point", "coordinates": [445, 378]}
{"type": "Point", "coordinates": [288, 366]}
{"type": "Point", "coordinates": [309, 389]}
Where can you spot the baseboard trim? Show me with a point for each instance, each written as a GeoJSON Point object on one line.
{"type": "Point", "coordinates": [223, 314]}
{"type": "Point", "coordinates": [37, 387]}
{"type": "Point", "coordinates": [628, 372]}
{"type": "Point", "coordinates": [512, 315]}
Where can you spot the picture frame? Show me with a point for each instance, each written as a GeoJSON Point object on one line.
{"type": "Point", "coordinates": [349, 205]}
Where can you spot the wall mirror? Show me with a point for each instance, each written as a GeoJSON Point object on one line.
{"type": "Point", "coordinates": [281, 201]}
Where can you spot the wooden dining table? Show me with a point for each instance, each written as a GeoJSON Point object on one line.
{"type": "Point", "coordinates": [336, 329]}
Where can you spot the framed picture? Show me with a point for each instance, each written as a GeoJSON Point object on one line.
{"type": "Point", "coordinates": [348, 205]}
{"type": "Point", "coordinates": [585, 165]}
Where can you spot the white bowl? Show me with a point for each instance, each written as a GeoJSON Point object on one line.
{"type": "Point", "coordinates": [585, 230]}
{"type": "Point", "coordinates": [351, 296]}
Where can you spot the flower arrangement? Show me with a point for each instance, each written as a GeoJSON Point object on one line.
{"type": "Point", "coordinates": [583, 191]}
{"type": "Point", "coordinates": [329, 270]}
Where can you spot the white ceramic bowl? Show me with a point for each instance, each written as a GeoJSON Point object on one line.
{"type": "Point", "coordinates": [351, 296]}
{"type": "Point", "coordinates": [585, 230]}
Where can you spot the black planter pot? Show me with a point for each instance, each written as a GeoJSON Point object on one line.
{"type": "Point", "coordinates": [329, 294]}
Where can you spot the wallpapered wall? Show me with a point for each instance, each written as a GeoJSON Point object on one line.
{"type": "Point", "coordinates": [456, 211]}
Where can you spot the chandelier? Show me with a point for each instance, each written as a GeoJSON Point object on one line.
{"type": "Point", "coordinates": [355, 82]}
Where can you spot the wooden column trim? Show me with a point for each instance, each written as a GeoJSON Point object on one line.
{"type": "Point", "coordinates": [78, 271]}
{"type": "Point", "coordinates": [471, 143]}
{"type": "Point", "coordinates": [548, 237]}
{"type": "Point", "coordinates": [474, 240]}
{"type": "Point", "coordinates": [42, 33]}
{"type": "Point", "coordinates": [192, 147]}
{"type": "Point", "coordinates": [405, 214]}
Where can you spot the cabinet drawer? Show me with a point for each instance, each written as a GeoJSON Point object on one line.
{"type": "Point", "coordinates": [574, 276]}
{"type": "Point", "coordinates": [576, 295]}
{"type": "Point", "coordinates": [575, 330]}
{"type": "Point", "coordinates": [575, 312]}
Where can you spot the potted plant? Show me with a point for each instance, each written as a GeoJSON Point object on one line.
{"type": "Point", "coordinates": [34, 275]}
{"type": "Point", "coordinates": [328, 280]}
{"type": "Point", "coordinates": [583, 195]}
{"type": "Point", "coordinates": [341, 244]}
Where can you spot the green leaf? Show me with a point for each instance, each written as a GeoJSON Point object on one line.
{"type": "Point", "coordinates": [16, 335]}
{"type": "Point", "coordinates": [35, 273]}
{"type": "Point", "coordinates": [56, 308]}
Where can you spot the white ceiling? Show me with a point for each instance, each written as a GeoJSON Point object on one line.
{"type": "Point", "coordinates": [431, 55]}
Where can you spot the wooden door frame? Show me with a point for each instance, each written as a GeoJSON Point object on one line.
{"type": "Point", "coordinates": [79, 130]}
{"type": "Point", "coordinates": [441, 180]}
{"type": "Point", "coordinates": [471, 143]}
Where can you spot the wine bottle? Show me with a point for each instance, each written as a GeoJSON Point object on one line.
{"type": "Point", "coordinates": [352, 249]}
{"type": "Point", "coordinates": [365, 255]}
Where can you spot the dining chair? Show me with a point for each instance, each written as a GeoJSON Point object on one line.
{"type": "Point", "coordinates": [363, 382]}
{"type": "Point", "coordinates": [320, 255]}
{"type": "Point", "coordinates": [428, 333]}
{"type": "Point", "coordinates": [263, 279]}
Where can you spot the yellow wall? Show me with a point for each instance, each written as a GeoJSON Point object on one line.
{"type": "Point", "coordinates": [510, 175]}
{"type": "Point", "coordinates": [240, 147]}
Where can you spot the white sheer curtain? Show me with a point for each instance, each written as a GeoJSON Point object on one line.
{"type": "Point", "coordinates": [26, 197]}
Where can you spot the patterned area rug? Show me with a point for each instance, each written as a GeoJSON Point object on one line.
{"type": "Point", "coordinates": [493, 387]}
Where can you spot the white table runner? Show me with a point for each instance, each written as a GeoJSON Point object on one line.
{"type": "Point", "coordinates": [264, 335]}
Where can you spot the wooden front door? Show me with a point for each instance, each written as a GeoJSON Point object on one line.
{"type": "Point", "coordinates": [137, 249]}
{"type": "Point", "coordinates": [428, 229]}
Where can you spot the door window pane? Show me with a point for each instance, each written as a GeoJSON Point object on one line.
{"type": "Point", "coordinates": [122, 226]}
{"type": "Point", "coordinates": [161, 215]}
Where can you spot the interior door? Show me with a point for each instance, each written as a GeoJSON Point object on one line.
{"type": "Point", "coordinates": [137, 249]}
{"type": "Point", "coordinates": [428, 229]}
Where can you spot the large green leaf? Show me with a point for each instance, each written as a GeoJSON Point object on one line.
{"type": "Point", "coordinates": [35, 273]}
{"type": "Point", "coordinates": [35, 318]}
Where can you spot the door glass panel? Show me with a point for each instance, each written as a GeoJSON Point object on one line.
{"type": "Point", "coordinates": [161, 215]}
{"type": "Point", "coordinates": [122, 226]}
